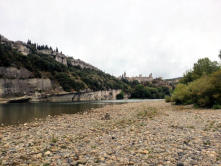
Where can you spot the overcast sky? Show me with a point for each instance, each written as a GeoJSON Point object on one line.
{"type": "Point", "coordinates": [163, 37]}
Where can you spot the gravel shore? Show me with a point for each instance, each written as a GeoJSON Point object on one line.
{"type": "Point", "coordinates": [146, 133]}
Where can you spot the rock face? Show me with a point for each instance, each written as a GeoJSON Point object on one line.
{"type": "Point", "coordinates": [21, 47]}
{"type": "Point", "coordinates": [24, 49]}
{"type": "Point", "coordinates": [98, 95]}
{"type": "Point", "coordinates": [17, 82]}
{"type": "Point", "coordinates": [21, 87]}
{"type": "Point", "coordinates": [59, 57]}
{"type": "Point", "coordinates": [82, 64]}
{"type": "Point", "coordinates": [20, 82]}
{"type": "Point", "coordinates": [18, 45]}
{"type": "Point", "coordinates": [86, 96]}
{"type": "Point", "coordinates": [14, 73]}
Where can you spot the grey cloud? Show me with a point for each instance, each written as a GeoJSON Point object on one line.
{"type": "Point", "coordinates": [163, 37]}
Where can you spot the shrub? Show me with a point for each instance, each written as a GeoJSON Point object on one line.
{"type": "Point", "coordinates": [140, 92]}
{"type": "Point", "coordinates": [203, 67]}
{"type": "Point", "coordinates": [64, 80]}
{"type": "Point", "coordinates": [203, 92]}
{"type": "Point", "coordinates": [216, 87]}
{"type": "Point", "coordinates": [216, 106]}
{"type": "Point", "coordinates": [181, 95]}
{"type": "Point", "coordinates": [120, 95]}
{"type": "Point", "coordinates": [167, 99]}
{"type": "Point", "coordinates": [145, 92]}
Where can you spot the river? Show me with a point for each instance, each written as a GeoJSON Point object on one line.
{"type": "Point", "coordinates": [11, 114]}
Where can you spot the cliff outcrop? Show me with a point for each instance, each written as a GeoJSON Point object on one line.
{"type": "Point", "coordinates": [21, 87]}
{"type": "Point", "coordinates": [31, 70]}
{"type": "Point", "coordinates": [20, 82]}
{"type": "Point", "coordinates": [84, 96]}
{"type": "Point", "coordinates": [26, 48]}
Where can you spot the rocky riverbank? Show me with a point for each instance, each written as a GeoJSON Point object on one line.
{"type": "Point", "coordinates": [65, 97]}
{"type": "Point", "coordinates": [148, 133]}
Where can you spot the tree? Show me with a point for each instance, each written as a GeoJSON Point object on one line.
{"type": "Point", "coordinates": [220, 54]}
{"type": "Point", "coordinates": [120, 95]}
{"type": "Point", "coordinates": [203, 66]}
{"type": "Point", "coordinates": [29, 42]}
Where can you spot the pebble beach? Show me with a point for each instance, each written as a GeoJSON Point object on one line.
{"type": "Point", "coordinates": [147, 133]}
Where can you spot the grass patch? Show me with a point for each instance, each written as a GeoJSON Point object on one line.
{"type": "Point", "coordinates": [218, 126]}
{"type": "Point", "coordinates": [218, 157]}
{"type": "Point", "coordinates": [190, 127]}
{"type": "Point", "coordinates": [147, 113]}
{"type": "Point", "coordinates": [80, 137]}
{"type": "Point", "coordinates": [210, 126]}
{"type": "Point", "coordinates": [124, 122]}
{"type": "Point", "coordinates": [206, 143]}
{"type": "Point", "coordinates": [46, 164]}
{"type": "Point", "coordinates": [54, 139]}
{"type": "Point", "coordinates": [177, 127]}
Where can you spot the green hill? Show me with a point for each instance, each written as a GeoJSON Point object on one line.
{"type": "Point", "coordinates": [45, 65]}
{"type": "Point", "coordinates": [31, 69]}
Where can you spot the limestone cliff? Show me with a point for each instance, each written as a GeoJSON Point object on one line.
{"type": "Point", "coordinates": [20, 82]}
{"type": "Point", "coordinates": [28, 69]}
{"type": "Point", "coordinates": [84, 96]}
{"type": "Point", "coordinates": [25, 49]}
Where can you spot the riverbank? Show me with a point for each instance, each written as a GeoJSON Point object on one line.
{"type": "Point", "coordinates": [147, 133]}
{"type": "Point", "coordinates": [64, 97]}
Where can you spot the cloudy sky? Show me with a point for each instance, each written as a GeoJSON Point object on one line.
{"type": "Point", "coordinates": [163, 37]}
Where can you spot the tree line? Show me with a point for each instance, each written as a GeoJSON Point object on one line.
{"type": "Point", "coordinates": [200, 86]}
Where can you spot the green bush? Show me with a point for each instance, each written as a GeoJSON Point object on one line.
{"type": "Point", "coordinates": [217, 106]}
{"type": "Point", "coordinates": [64, 80]}
{"type": "Point", "coordinates": [141, 91]}
{"type": "Point", "coordinates": [200, 86]}
{"type": "Point", "coordinates": [120, 95]}
{"type": "Point", "coordinates": [181, 95]}
{"type": "Point", "coordinates": [203, 92]}
{"type": "Point", "coordinates": [167, 99]}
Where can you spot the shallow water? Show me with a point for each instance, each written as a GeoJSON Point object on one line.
{"type": "Point", "coordinates": [25, 112]}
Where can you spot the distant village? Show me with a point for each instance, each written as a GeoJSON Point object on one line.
{"type": "Point", "coordinates": [159, 81]}
{"type": "Point", "coordinates": [139, 78]}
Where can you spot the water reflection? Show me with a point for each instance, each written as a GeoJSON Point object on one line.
{"type": "Point", "coordinates": [21, 113]}
{"type": "Point", "coordinates": [26, 112]}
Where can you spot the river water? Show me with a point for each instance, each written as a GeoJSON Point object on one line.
{"type": "Point", "coordinates": [26, 112]}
